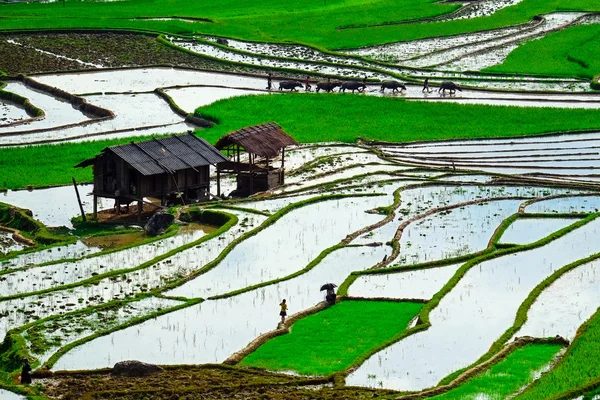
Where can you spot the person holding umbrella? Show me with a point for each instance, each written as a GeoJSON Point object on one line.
{"type": "Point", "coordinates": [330, 297]}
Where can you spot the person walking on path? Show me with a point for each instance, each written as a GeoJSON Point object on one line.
{"type": "Point", "coordinates": [283, 311]}
{"type": "Point", "coordinates": [269, 81]}
{"type": "Point", "coordinates": [426, 85]}
{"type": "Point", "coordinates": [26, 372]}
{"type": "Point", "coordinates": [308, 86]}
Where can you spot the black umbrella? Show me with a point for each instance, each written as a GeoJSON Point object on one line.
{"type": "Point", "coordinates": [328, 286]}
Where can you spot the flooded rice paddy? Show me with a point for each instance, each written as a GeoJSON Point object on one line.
{"type": "Point", "coordinates": [250, 269]}
{"type": "Point", "coordinates": [472, 315]}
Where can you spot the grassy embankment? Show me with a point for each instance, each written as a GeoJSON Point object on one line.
{"type": "Point", "coordinates": [506, 377]}
{"type": "Point", "coordinates": [308, 22]}
{"type": "Point", "coordinates": [312, 118]}
{"type": "Point", "coordinates": [333, 339]}
{"type": "Point", "coordinates": [576, 369]}
{"type": "Point", "coordinates": [573, 51]}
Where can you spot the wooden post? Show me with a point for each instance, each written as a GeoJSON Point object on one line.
{"type": "Point", "coordinates": [140, 208]}
{"type": "Point", "coordinates": [282, 177]}
{"type": "Point", "coordinates": [79, 199]}
{"type": "Point", "coordinates": [218, 181]}
{"type": "Point", "coordinates": [95, 207]}
{"type": "Point", "coordinates": [250, 173]}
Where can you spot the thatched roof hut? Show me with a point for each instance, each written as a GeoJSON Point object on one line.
{"type": "Point", "coordinates": [262, 143]}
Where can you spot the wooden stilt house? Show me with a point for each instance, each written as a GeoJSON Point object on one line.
{"type": "Point", "coordinates": [176, 166]}
{"type": "Point", "coordinates": [256, 171]}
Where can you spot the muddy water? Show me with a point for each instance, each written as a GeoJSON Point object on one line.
{"type": "Point", "coordinates": [177, 128]}
{"type": "Point", "coordinates": [285, 247]}
{"type": "Point", "coordinates": [6, 395]}
{"type": "Point", "coordinates": [215, 329]}
{"type": "Point", "coordinates": [75, 250]}
{"type": "Point", "coordinates": [566, 304]}
{"type": "Point", "coordinates": [417, 284]}
{"type": "Point", "coordinates": [126, 239]}
{"type": "Point", "coordinates": [529, 230]}
{"type": "Point", "coordinates": [69, 272]}
{"type": "Point", "coordinates": [10, 113]}
{"type": "Point", "coordinates": [472, 315]}
{"type": "Point", "coordinates": [7, 243]}
{"type": "Point", "coordinates": [61, 209]}
{"type": "Point", "coordinates": [58, 112]}
{"type": "Point", "coordinates": [190, 98]}
{"type": "Point", "coordinates": [585, 204]}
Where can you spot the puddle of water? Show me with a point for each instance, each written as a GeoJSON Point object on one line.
{"type": "Point", "coordinates": [61, 209]}
{"type": "Point", "coordinates": [68, 329]}
{"type": "Point", "coordinates": [190, 98]}
{"type": "Point", "coordinates": [211, 331]}
{"type": "Point", "coordinates": [468, 319]}
{"type": "Point", "coordinates": [58, 112]}
{"type": "Point", "coordinates": [125, 239]}
{"type": "Point", "coordinates": [75, 250]}
{"type": "Point", "coordinates": [68, 272]}
{"type": "Point", "coordinates": [133, 111]}
{"type": "Point", "coordinates": [529, 230]}
{"type": "Point", "coordinates": [285, 247]}
{"type": "Point", "coordinates": [417, 284]}
{"type": "Point", "coordinates": [21, 311]}
{"type": "Point", "coordinates": [6, 395]}
{"type": "Point", "coordinates": [582, 204]}
{"type": "Point", "coordinates": [566, 304]}
{"type": "Point", "coordinates": [453, 233]}
{"type": "Point", "coordinates": [7, 243]}
{"type": "Point", "coordinates": [10, 113]}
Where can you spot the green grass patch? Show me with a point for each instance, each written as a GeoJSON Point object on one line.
{"type": "Point", "coordinates": [304, 21]}
{"type": "Point", "coordinates": [338, 117]}
{"type": "Point", "coordinates": [507, 376]}
{"type": "Point", "coordinates": [373, 118]}
{"type": "Point", "coordinates": [572, 52]}
{"type": "Point", "coordinates": [333, 339]}
{"type": "Point", "coordinates": [577, 368]}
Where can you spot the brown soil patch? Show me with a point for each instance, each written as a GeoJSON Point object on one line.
{"type": "Point", "coordinates": [199, 382]}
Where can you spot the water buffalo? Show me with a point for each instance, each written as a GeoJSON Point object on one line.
{"type": "Point", "coordinates": [451, 86]}
{"type": "Point", "coordinates": [395, 86]}
{"type": "Point", "coordinates": [289, 85]}
{"type": "Point", "coordinates": [223, 41]}
{"type": "Point", "coordinates": [353, 85]}
{"type": "Point", "coordinates": [327, 86]}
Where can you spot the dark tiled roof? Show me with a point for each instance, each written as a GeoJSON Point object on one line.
{"type": "Point", "coordinates": [264, 140]}
{"type": "Point", "coordinates": [169, 154]}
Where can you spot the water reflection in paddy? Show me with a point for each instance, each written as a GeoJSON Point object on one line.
{"type": "Point", "coordinates": [469, 318]}
{"type": "Point", "coordinates": [576, 204]}
{"type": "Point", "coordinates": [212, 331]}
{"type": "Point", "coordinates": [566, 304]}
{"type": "Point", "coordinates": [416, 284]}
{"type": "Point", "coordinates": [529, 230]}
{"type": "Point", "coordinates": [287, 246]}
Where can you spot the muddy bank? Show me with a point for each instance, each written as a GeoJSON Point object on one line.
{"type": "Point", "coordinates": [35, 53]}
{"type": "Point", "coordinates": [206, 382]}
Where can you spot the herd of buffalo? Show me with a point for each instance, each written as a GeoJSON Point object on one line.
{"type": "Point", "coordinates": [329, 86]}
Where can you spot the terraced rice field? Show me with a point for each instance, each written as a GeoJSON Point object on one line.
{"type": "Point", "coordinates": [458, 228]}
